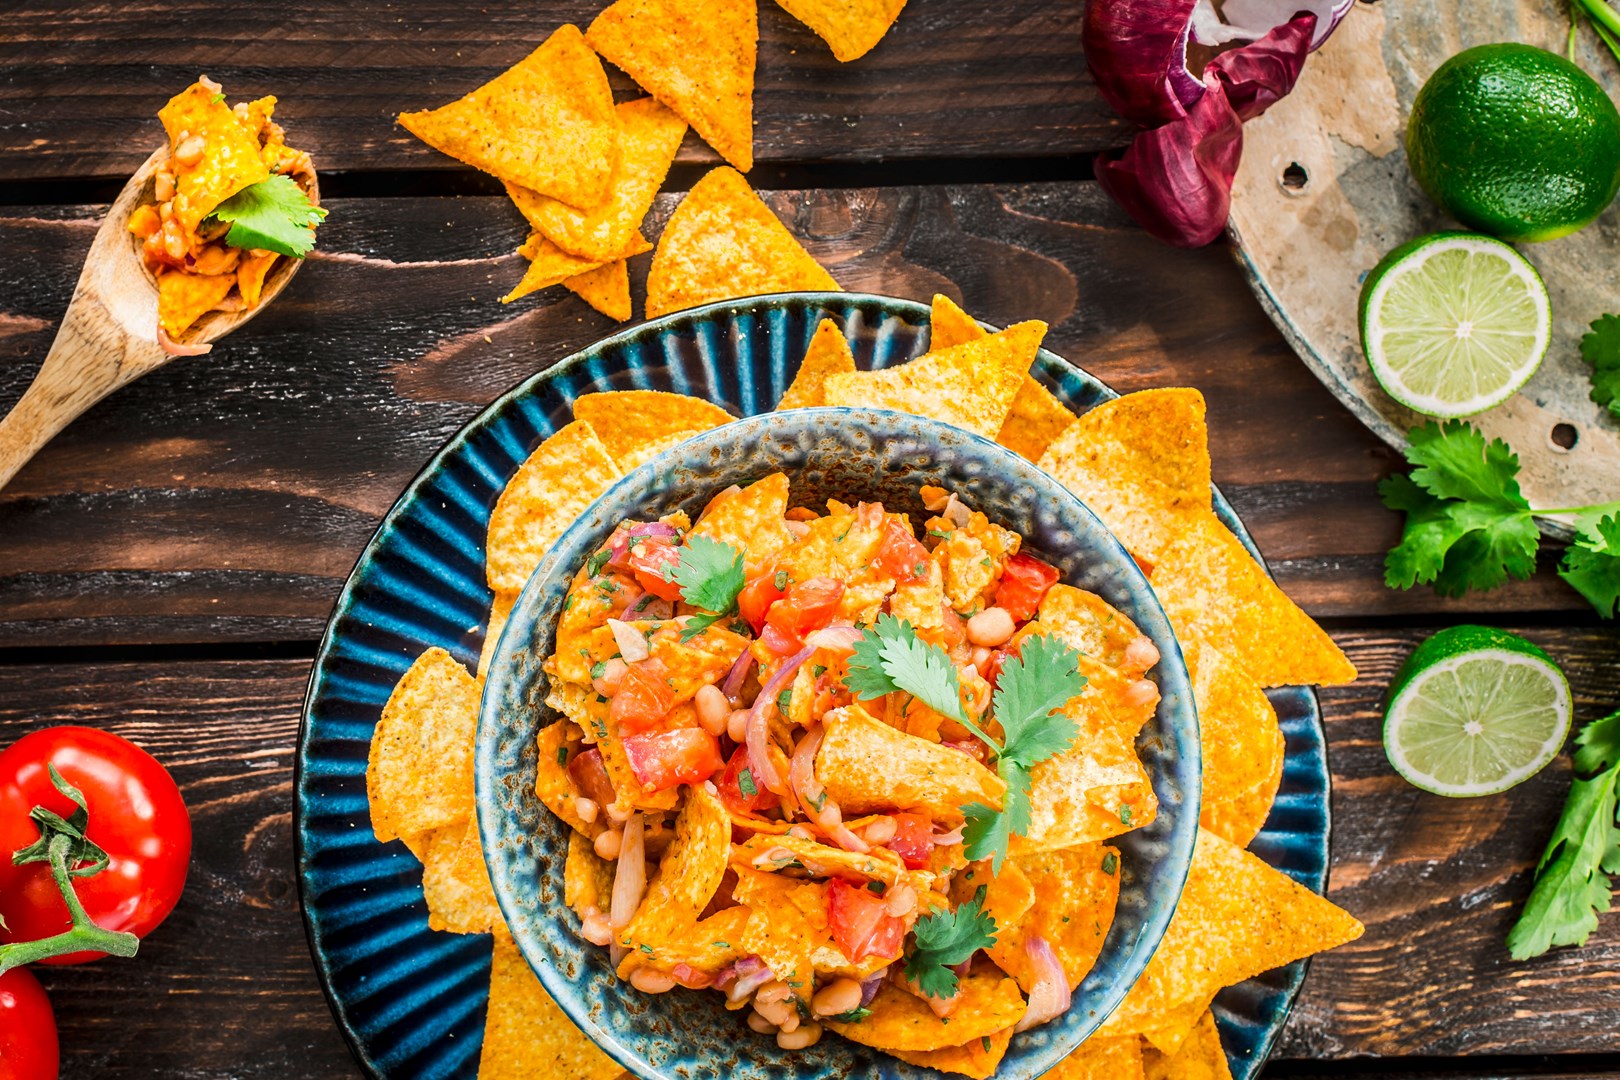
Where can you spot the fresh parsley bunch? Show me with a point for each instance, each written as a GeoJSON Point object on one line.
{"type": "Point", "coordinates": [1572, 880]}
{"type": "Point", "coordinates": [1468, 526]}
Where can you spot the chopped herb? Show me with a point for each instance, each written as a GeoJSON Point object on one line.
{"type": "Point", "coordinates": [599, 669]}
{"type": "Point", "coordinates": [720, 944]}
{"type": "Point", "coordinates": [876, 887]}
{"type": "Point", "coordinates": [818, 670]}
{"type": "Point", "coordinates": [1110, 863]}
{"type": "Point", "coordinates": [745, 783]}
{"type": "Point", "coordinates": [784, 700]}
{"type": "Point", "coordinates": [568, 602]}
{"type": "Point", "coordinates": [984, 1041]}
{"type": "Point", "coordinates": [780, 581]}
{"type": "Point", "coordinates": [1125, 815]}
{"type": "Point", "coordinates": [919, 570]}
{"type": "Point", "coordinates": [646, 949]}
{"type": "Point", "coordinates": [839, 539]}
{"type": "Point", "coordinates": [854, 1016]}
{"type": "Point", "coordinates": [696, 624]}
{"type": "Point", "coordinates": [941, 533]}
{"type": "Point", "coordinates": [984, 562]}
{"type": "Point", "coordinates": [217, 99]}
{"type": "Point", "coordinates": [819, 802]}
{"type": "Point", "coordinates": [562, 755]}
{"type": "Point", "coordinates": [594, 564]}
{"type": "Point", "coordinates": [641, 605]}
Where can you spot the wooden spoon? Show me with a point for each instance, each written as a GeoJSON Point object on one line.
{"type": "Point", "coordinates": [109, 335]}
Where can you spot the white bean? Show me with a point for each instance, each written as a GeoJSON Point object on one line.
{"type": "Point", "coordinates": [649, 981]}
{"type": "Point", "coordinates": [804, 1036]}
{"type": "Point", "coordinates": [713, 710]}
{"type": "Point", "coordinates": [990, 627]}
{"type": "Point", "coordinates": [607, 844]}
{"type": "Point", "coordinates": [836, 998]}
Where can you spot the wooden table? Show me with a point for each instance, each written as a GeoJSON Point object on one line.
{"type": "Point", "coordinates": [167, 565]}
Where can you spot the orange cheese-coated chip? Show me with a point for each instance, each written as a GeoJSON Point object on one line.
{"type": "Point", "coordinates": [978, 1058]}
{"type": "Point", "coordinates": [550, 265]}
{"type": "Point", "coordinates": [1074, 892]}
{"type": "Point", "coordinates": [184, 298]}
{"type": "Point", "coordinates": [1100, 1058]}
{"type": "Point", "coordinates": [587, 877]}
{"type": "Point", "coordinates": [696, 56]}
{"type": "Point", "coordinates": [230, 158]}
{"type": "Point", "coordinates": [828, 354]}
{"type": "Point", "coordinates": [455, 882]}
{"type": "Point", "coordinates": [419, 775]}
{"type": "Point", "coordinates": [552, 783]}
{"type": "Point", "coordinates": [850, 27]}
{"type": "Point", "coordinates": [527, 1035]}
{"type": "Point", "coordinates": [752, 520]}
{"type": "Point", "coordinates": [1036, 418]}
{"type": "Point", "coordinates": [723, 243]}
{"type": "Point", "coordinates": [950, 326]}
{"type": "Point", "coordinates": [989, 1003]}
{"type": "Point", "coordinates": [628, 419]}
{"type": "Point", "coordinates": [869, 767]}
{"type": "Point", "coordinates": [499, 611]}
{"type": "Point", "coordinates": [607, 289]}
{"type": "Point", "coordinates": [551, 488]}
{"type": "Point", "coordinates": [1242, 744]}
{"type": "Point", "coordinates": [250, 274]}
{"type": "Point", "coordinates": [688, 874]}
{"type": "Point", "coordinates": [547, 123]}
{"type": "Point", "coordinates": [1200, 1056]}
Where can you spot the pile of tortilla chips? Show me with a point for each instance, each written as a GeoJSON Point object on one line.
{"type": "Point", "coordinates": [1142, 464]}
{"type": "Point", "coordinates": [584, 172]}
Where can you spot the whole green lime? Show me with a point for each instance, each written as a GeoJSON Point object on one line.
{"type": "Point", "coordinates": [1515, 141]}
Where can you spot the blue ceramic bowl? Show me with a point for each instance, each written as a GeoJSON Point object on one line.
{"type": "Point", "coordinates": [409, 1001]}
{"type": "Point", "coordinates": [853, 455]}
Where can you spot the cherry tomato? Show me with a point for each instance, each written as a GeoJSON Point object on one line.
{"type": "Point", "coordinates": [732, 793]}
{"type": "Point", "coordinates": [807, 606]}
{"type": "Point", "coordinates": [644, 696]}
{"type": "Point", "coordinates": [757, 597]}
{"type": "Point", "coordinates": [652, 560]}
{"type": "Point", "coordinates": [900, 555]}
{"type": "Point", "coordinates": [136, 815]}
{"type": "Point", "coordinates": [1024, 582]}
{"type": "Point", "coordinates": [28, 1046]}
{"type": "Point", "coordinates": [590, 776]}
{"type": "Point", "coordinates": [913, 840]}
{"type": "Point", "coordinates": [860, 925]}
{"type": "Point", "coordinates": [666, 758]}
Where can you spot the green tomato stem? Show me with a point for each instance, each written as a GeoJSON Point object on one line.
{"type": "Point", "coordinates": [84, 936]}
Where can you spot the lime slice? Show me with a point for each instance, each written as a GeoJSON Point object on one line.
{"type": "Point", "coordinates": [1475, 711]}
{"type": "Point", "coordinates": [1454, 323]}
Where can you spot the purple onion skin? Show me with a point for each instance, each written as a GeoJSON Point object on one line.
{"type": "Point", "coordinates": [1137, 52]}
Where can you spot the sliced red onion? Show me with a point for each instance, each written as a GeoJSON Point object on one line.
{"type": "Point", "coordinates": [631, 595]}
{"type": "Point", "coordinates": [632, 644]}
{"type": "Point", "coordinates": [750, 974]}
{"type": "Point", "coordinates": [1050, 995]}
{"type": "Point", "coordinates": [656, 609]}
{"type": "Point", "coordinates": [759, 758]}
{"type": "Point", "coordinates": [871, 985]}
{"type": "Point", "coordinates": [733, 684]}
{"type": "Point", "coordinates": [835, 638]}
{"type": "Point", "coordinates": [629, 881]}
{"type": "Point", "coordinates": [174, 348]}
{"type": "Point", "coordinates": [955, 512]}
{"type": "Point", "coordinates": [813, 797]}
{"type": "Point", "coordinates": [1257, 18]}
{"type": "Point", "coordinates": [949, 838]}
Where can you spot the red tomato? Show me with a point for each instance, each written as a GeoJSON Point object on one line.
{"type": "Point", "coordinates": [644, 697]}
{"type": "Point", "coordinates": [757, 597]}
{"type": "Point", "coordinates": [590, 776]}
{"type": "Point", "coordinates": [913, 840]}
{"type": "Point", "coordinates": [1024, 581]}
{"type": "Point", "coordinates": [860, 925]}
{"type": "Point", "coordinates": [955, 630]}
{"type": "Point", "coordinates": [779, 642]}
{"type": "Point", "coordinates": [136, 815]}
{"type": "Point", "coordinates": [28, 1046]}
{"type": "Point", "coordinates": [900, 554]}
{"type": "Point", "coordinates": [732, 793]}
{"type": "Point", "coordinates": [651, 560]}
{"type": "Point", "coordinates": [667, 758]}
{"type": "Point", "coordinates": [807, 606]}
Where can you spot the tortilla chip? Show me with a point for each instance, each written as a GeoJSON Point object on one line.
{"type": "Point", "coordinates": [851, 27]}
{"type": "Point", "coordinates": [1075, 892]}
{"type": "Point", "coordinates": [607, 289]}
{"type": "Point", "coordinates": [706, 947]}
{"type": "Point", "coordinates": [752, 520]}
{"type": "Point", "coordinates": [770, 854]}
{"type": "Point", "coordinates": [787, 922]}
{"type": "Point", "coordinates": [869, 767]}
{"type": "Point", "coordinates": [649, 450]}
{"type": "Point", "coordinates": [231, 160]}
{"type": "Point", "coordinates": [526, 1035]}
{"type": "Point", "coordinates": [1201, 1057]}
{"type": "Point", "coordinates": [184, 298]}
{"type": "Point", "coordinates": [563, 476]}
{"type": "Point", "coordinates": [978, 1059]}
{"type": "Point", "coordinates": [552, 783]}
{"type": "Point", "coordinates": [970, 385]}
{"type": "Point", "coordinates": [723, 243]}
{"type": "Point", "coordinates": [696, 56]}
{"type": "Point", "coordinates": [990, 1003]}
{"type": "Point", "coordinates": [1101, 1059]}
{"type": "Point", "coordinates": [546, 124]}
{"type": "Point", "coordinates": [587, 877]}
{"type": "Point", "coordinates": [1101, 634]}
{"type": "Point", "coordinates": [1215, 593]}
{"type": "Point", "coordinates": [1240, 819]}
{"type": "Point", "coordinates": [1172, 1027]}
{"type": "Point", "coordinates": [1237, 729]}
{"type": "Point", "coordinates": [950, 326]}
{"type": "Point", "coordinates": [625, 420]}
{"type": "Point", "coordinates": [550, 265]}
{"type": "Point", "coordinates": [828, 354]}
{"type": "Point", "coordinates": [1141, 463]}
{"type": "Point", "coordinates": [500, 609]}
{"type": "Point", "coordinates": [455, 882]}
{"type": "Point", "coordinates": [250, 275]}
{"type": "Point", "coordinates": [419, 775]}
{"type": "Point", "coordinates": [1237, 917]}
{"type": "Point", "coordinates": [589, 710]}
{"type": "Point", "coordinates": [689, 873]}
{"type": "Point", "coordinates": [649, 136]}
{"type": "Point", "coordinates": [1036, 419]}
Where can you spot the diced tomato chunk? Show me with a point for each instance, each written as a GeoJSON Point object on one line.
{"type": "Point", "coordinates": [860, 925]}
{"type": "Point", "coordinates": [913, 840]}
{"type": "Point", "coordinates": [901, 555]}
{"type": "Point", "coordinates": [667, 758]}
{"type": "Point", "coordinates": [743, 796]}
{"type": "Point", "coordinates": [653, 561]}
{"type": "Point", "coordinates": [590, 776]}
{"type": "Point", "coordinates": [644, 697]}
{"type": "Point", "coordinates": [757, 597]}
{"type": "Point", "coordinates": [1024, 583]}
{"type": "Point", "coordinates": [806, 607]}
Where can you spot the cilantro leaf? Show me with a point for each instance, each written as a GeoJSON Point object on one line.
{"type": "Point", "coordinates": [942, 939]}
{"type": "Point", "coordinates": [274, 215]}
{"type": "Point", "coordinates": [891, 657]}
{"type": "Point", "coordinates": [710, 574]}
{"type": "Point", "coordinates": [1039, 680]}
{"type": "Point", "coordinates": [865, 676]}
{"type": "Point", "coordinates": [1592, 566]}
{"type": "Point", "coordinates": [1601, 349]}
{"type": "Point", "coordinates": [986, 835]}
{"type": "Point", "coordinates": [1468, 526]}
{"type": "Point", "coordinates": [696, 624]}
{"type": "Point", "coordinates": [1572, 880]}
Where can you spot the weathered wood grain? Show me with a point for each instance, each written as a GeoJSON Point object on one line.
{"type": "Point", "coordinates": [227, 497]}
{"type": "Point", "coordinates": [226, 989]}
{"type": "Point", "coordinates": [82, 82]}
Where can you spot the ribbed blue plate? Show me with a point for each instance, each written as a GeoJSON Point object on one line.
{"type": "Point", "coordinates": [410, 1001]}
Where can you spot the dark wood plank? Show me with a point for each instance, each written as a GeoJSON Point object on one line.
{"type": "Point", "coordinates": [954, 79]}
{"type": "Point", "coordinates": [227, 497]}
{"type": "Point", "coordinates": [225, 988]}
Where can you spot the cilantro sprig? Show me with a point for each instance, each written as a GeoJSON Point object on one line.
{"type": "Point", "coordinates": [274, 214]}
{"type": "Point", "coordinates": [942, 939]}
{"type": "Point", "coordinates": [1468, 526]}
{"type": "Point", "coordinates": [710, 574]}
{"type": "Point", "coordinates": [1601, 348]}
{"type": "Point", "coordinates": [1572, 885]}
{"type": "Point", "coordinates": [1032, 686]}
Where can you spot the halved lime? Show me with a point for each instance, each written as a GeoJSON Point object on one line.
{"type": "Point", "coordinates": [1454, 323]}
{"type": "Point", "coordinates": [1475, 711]}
